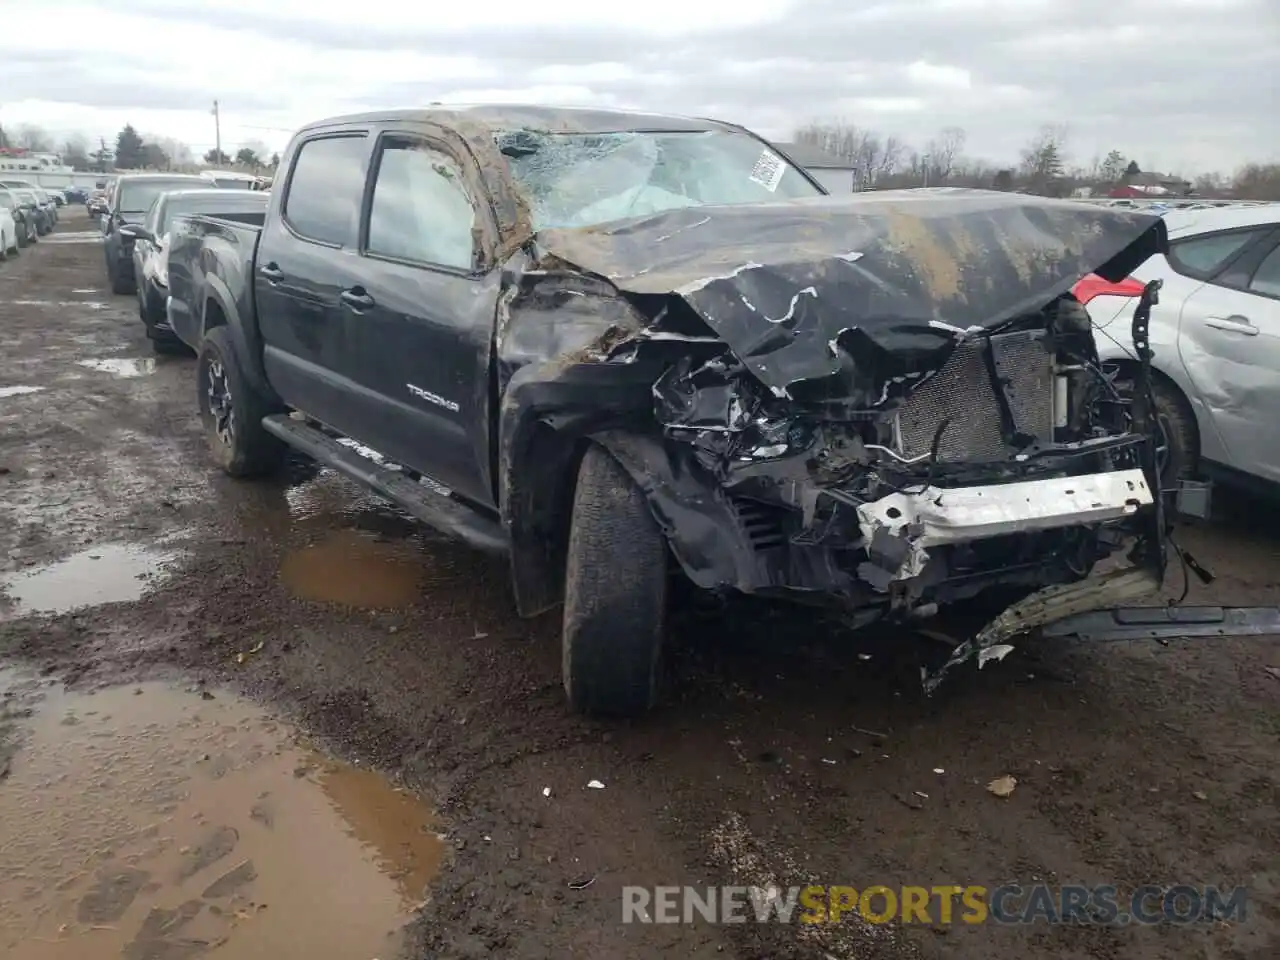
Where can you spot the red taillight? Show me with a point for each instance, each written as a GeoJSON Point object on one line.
{"type": "Point", "coordinates": [1095, 286]}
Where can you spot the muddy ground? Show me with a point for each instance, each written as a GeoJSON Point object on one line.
{"type": "Point", "coordinates": [779, 754]}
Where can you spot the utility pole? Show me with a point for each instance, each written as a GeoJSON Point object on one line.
{"type": "Point", "coordinates": [102, 155]}
{"type": "Point", "coordinates": [217, 133]}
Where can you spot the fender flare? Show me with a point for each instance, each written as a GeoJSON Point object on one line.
{"type": "Point", "coordinates": [247, 343]}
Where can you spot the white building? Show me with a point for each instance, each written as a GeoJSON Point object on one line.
{"type": "Point", "coordinates": [835, 174]}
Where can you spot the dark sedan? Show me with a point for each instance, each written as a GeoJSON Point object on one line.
{"type": "Point", "coordinates": [151, 248]}
{"type": "Point", "coordinates": [128, 204]}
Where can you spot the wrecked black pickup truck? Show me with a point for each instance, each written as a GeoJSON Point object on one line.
{"type": "Point", "coordinates": [624, 347]}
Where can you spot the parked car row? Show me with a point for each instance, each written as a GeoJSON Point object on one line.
{"type": "Point", "coordinates": [25, 216]}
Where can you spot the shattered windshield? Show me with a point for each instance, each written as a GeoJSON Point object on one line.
{"type": "Point", "coordinates": [583, 179]}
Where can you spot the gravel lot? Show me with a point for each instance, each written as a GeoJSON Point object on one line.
{"type": "Point", "coordinates": [778, 755]}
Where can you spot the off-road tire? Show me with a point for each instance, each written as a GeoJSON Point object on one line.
{"type": "Point", "coordinates": [615, 594]}
{"type": "Point", "coordinates": [239, 443]}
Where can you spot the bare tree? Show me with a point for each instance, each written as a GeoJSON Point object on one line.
{"type": "Point", "coordinates": [75, 151]}
{"type": "Point", "coordinates": [1044, 160]}
{"type": "Point", "coordinates": [873, 159]}
{"type": "Point", "coordinates": [1257, 181]}
{"type": "Point", "coordinates": [942, 153]}
{"type": "Point", "coordinates": [179, 153]}
{"type": "Point", "coordinates": [34, 138]}
{"type": "Point", "coordinates": [1211, 185]}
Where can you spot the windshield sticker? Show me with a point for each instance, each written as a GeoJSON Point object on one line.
{"type": "Point", "coordinates": [768, 170]}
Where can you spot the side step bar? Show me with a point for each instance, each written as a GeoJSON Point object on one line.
{"type": "Point", "coordinates": [1166, 623]}
{"type": "Point", "coordinates": [437, 510]}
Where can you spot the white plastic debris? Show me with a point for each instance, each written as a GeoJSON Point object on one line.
{"type": "Point", "coordinates": [595, 785]}
{"type": "Point", "coordinates": [938, 770]}
{"type": "Point", "coordinates": [546, 791]}
{"type": "Point", "coordinates": [1003, 786]}
{"type": "Point", "coordinates": [997, 651]}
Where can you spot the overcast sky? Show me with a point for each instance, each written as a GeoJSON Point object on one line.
{"type": "Point", "coordinates": [1181, 85]}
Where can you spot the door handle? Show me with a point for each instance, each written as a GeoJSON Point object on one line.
{"type": "Point", "coordinates": [271, 273]}
{"type": "Point", "coordinates": [1233, 324]}
{"type": "Point", "coordinates": [357, 299]}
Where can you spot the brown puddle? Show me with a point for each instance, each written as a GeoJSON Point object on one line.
{"type": "Point", "coordinates": [110, 573]}
{"type": "Point", "coordinates": [356, 569]}
{"type": "Point", "coordinates": [148, 824]}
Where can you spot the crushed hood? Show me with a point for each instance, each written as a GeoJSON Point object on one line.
{"type": "Point", "coordinates": [839, 296]}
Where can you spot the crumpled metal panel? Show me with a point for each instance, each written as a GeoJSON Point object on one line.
{"type": "Point", "coordinates": [849, 297]}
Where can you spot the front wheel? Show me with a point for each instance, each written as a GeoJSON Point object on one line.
{"type": "Point", "coordinates": [232, 411]}
{"type": "Point", "coordinates": [615, 594]}
{"type": "Point", "coordinates": [1177, 435]}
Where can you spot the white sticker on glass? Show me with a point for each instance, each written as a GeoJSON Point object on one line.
{"type": "Point", "coordinates": [768, 170]}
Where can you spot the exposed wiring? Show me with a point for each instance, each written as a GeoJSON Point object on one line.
{"type": "Point", "coordinates": [897, 456]}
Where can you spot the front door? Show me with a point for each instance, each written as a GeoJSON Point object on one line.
{"type": "Point", "coordinates": [1229, 338]}
{"type": "Point", "coordinates": [420, 321]}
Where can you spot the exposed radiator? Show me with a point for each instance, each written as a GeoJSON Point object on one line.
{"type": "Point", "coordinates": [962, 392]}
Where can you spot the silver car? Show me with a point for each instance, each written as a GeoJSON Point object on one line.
{"type": "Point", "coordinates": [1216, 338]}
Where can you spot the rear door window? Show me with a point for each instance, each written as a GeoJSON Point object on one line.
{"type": "Point", "coordinates": [1266, 279]}
{"type": "Point", "coordinates": [1201, 257]}
{"type": "Point", "coordinates": [322, 202]}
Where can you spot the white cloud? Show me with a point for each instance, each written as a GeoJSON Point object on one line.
{"type": "Point", "coordinates": [1180, 83]}
{"type": "Point", "coordinates": [939, 75]}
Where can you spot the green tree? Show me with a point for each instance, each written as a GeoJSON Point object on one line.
{"type": "Point", "coordinates": [246, 157]}
{"type": "Point", "coordinates": [129, 149]}
{"type": "Point", "coordinates": [216, 157]}
{"type": "Point", "coordinates": [154, 157]}
{"type": "Point", "coordinates": [1132, 170]}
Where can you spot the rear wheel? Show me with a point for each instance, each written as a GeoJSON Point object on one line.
{"type": "Point", "coordinates": [232, 411]}
{"type": "Point", "coordinates": [615, 594]}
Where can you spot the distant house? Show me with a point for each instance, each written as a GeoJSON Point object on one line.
{"type": "Point", "coordinates": [1151, 185]}
{"type": "Point", "coordinates": [834, 173]}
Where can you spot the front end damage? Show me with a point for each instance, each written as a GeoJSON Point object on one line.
{"type": "Point", "coordinates": [886, 403]}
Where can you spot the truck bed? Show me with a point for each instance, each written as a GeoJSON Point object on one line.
{"type": "Point", "coordinates": [202, 287]}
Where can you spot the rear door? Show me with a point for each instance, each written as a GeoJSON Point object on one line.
{"type": "Point", "coordinates": [306, 256]}
{"type": "Point", "coordinates": [420, 321]}
{"type": "Point", "coordinates": [1230, 346]}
